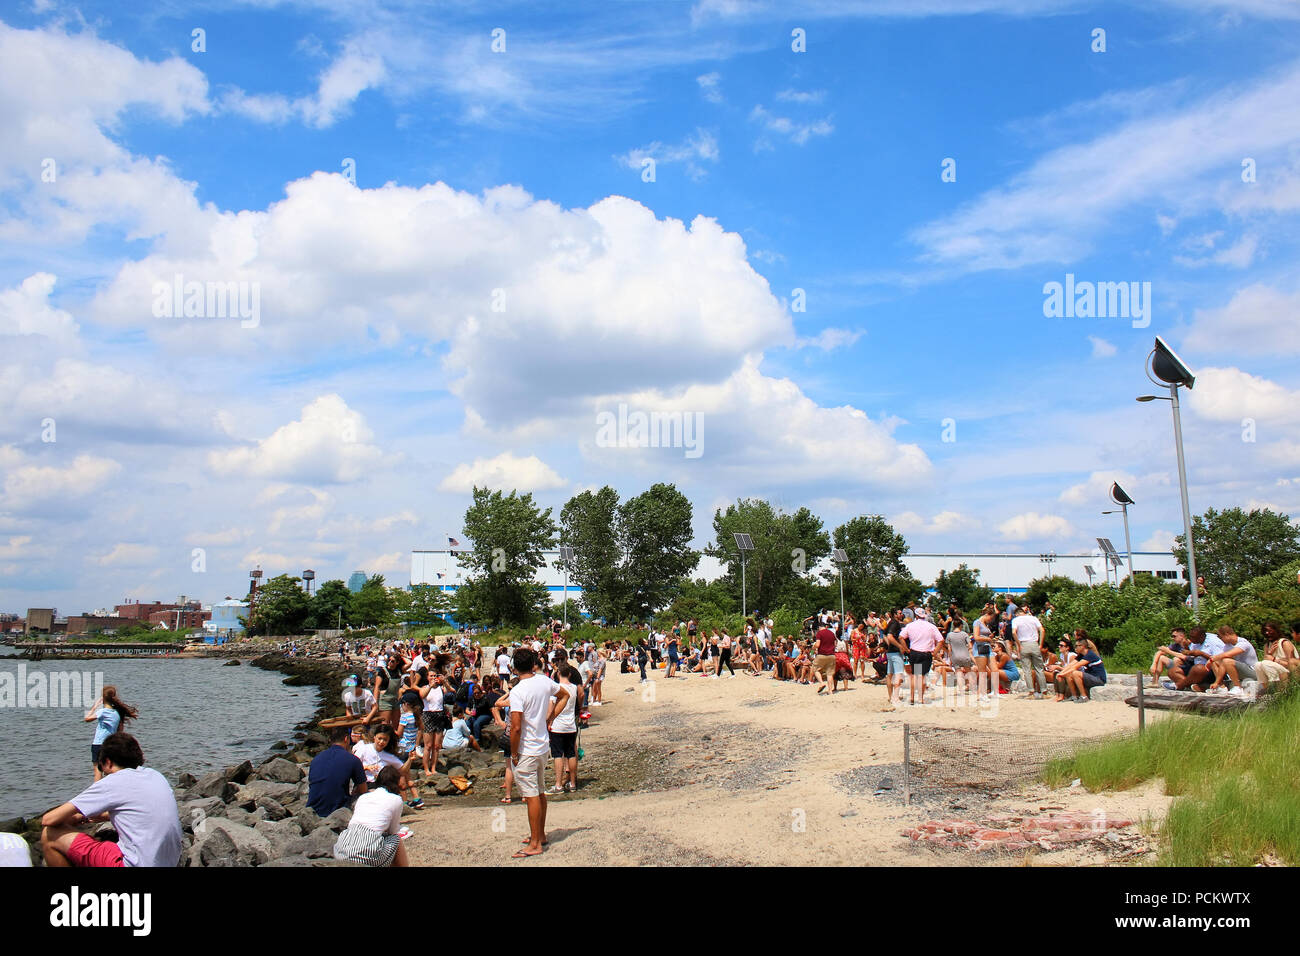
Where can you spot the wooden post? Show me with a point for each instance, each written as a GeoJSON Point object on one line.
{"type": "Point", "coordinates": [1142, 713]}
{"type": "Point", "coordinates": [907, 765]}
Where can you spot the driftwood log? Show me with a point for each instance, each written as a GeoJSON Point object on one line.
{"type": "Point", "coordinates": [1192, 702]}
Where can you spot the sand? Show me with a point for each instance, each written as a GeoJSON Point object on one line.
{"type": "Point", "coordinates": [753, 771]}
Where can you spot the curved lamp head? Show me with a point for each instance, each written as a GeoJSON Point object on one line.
{"type": "Point", "coordinates": [1168, 367]}
{"type": "Point", "coordinates": [1119, 495]}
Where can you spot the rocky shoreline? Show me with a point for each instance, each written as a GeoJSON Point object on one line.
{"type": "Point", "coordinates": [256, 813]}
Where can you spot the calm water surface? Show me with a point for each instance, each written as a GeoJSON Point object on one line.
{"type": "Point", "coordinates": [195, 715]}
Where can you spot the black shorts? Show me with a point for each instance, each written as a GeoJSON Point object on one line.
{"type": "Point", "coordinates": [436, 722]}
{"type": "Point", "coordinates": [564, 746]}
{"type": "Point", "coordinates": [94, 754]}
{"type": "Point", "coordinates": [921, 659]}
{"type": "Point", "coordinates": [1091, 680]}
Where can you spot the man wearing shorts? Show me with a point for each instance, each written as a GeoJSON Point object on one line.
{"type": "Point", "coordinates": [531, 714]}
{"type": "Point", "coordinates": [921, 638]}
{"type": "Point", "coordinates": [824, 662]}
{"type": "Point", "coordinates": [137, 800]}
{"type": "Point", "coordinates": [1237, 660]}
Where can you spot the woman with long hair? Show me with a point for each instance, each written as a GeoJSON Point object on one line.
{"type": "Point", "coordinates": [109, 714]}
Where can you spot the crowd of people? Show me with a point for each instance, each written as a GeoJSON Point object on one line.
{"type": "Point", "coordinates": [906, 647]}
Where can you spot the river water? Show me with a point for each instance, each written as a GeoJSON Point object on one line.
{"type": "Point", "coordinates": [195, 715]}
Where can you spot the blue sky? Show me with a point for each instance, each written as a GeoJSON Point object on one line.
{"type": "Point", "coordinates": [345, 427]}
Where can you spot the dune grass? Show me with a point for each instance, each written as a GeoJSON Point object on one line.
{"type": "Point", "coordinates": [1236, 778]}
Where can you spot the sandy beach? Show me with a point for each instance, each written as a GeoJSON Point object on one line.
{"type": "Point", "coordinates": [753, 771]}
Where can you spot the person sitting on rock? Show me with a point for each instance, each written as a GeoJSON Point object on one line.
{"type": "Point", "coordinates": [137, 800]}
{"type": "Point", "coordinates": [1169, 656]}
{"type": "Point", "coordinates": [335, 775]}
{"type": "Point", "coordinates": [460, 734]}
{"type": "Point", "coordinates": [372, 837]}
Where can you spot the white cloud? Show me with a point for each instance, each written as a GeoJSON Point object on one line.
{"type": "Point", "coordinates": [1229, 395]}
{"type": "Point", "coordinates": [1053, 211]}
{"type": "Point", "coordinates": [796, 131]}
{"type": "Point", "coordinates": [710, 86]}
{"type": "Point", "coordinates": [1101, 348]}
{"type": "Point", "coordinates": [696, 149]}
{"type": "Point", "coordinates": [829, 339]}
{"type": "Point", "coordinates": [26, 310]}
{"type": "Point", "coordinates": [327, 444]}
{"type": "Point", "coordinates": [801, 96]}
{"type": "Point", "coordinates": [504, 472]}
{"type": "Point", "coordinates": [945, 522]}
{"type": "Point", "coordinates": [1034, 526]}
{"type": "Point", "coordinates": [28, 485]}
{"type": "Point", "coordinates": [1238, 256]}
{"type": "Point", "coordinates": [127, 556]}
{"type": "Point", "coordinates": [1258, 320]}
{"type": "Point", "coordinates": [354, 72]}
{"type": "Point", "coordinates": [1160, 540]}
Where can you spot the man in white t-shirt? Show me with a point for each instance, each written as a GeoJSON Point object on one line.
{"type": "Point", "coordinates": [1029, 633]}
{"type": "Point", "coordinates": [531, 713]}
{"type": "Point", "coordinates": [503, 665]}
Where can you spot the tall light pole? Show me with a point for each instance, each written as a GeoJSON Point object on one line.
{"type": "Point", "coordinates": [566, 555]}
{"type": "Point", "coordinates": [1121, 498]}
{"type": "Point", "coordinates": [744, 544]}
{"type": "Point", "coordinates": [841, 558]}
{"type": "Point", "coordinates": [1165, 365]}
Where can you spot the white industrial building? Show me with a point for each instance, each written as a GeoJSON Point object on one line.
{"type": "Point", "coordinates": [1001, 572]}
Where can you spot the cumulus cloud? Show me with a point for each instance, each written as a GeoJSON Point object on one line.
{"type": "Point", "coordinates": [1258, 320]}
{"type": "Point", "coordinates": [945, 522]}
{"type": "Point", "coordinates": [327, 444]}
{"type": "Point", "coordinates": [504, 472]}
{"type": "Point", "coordinates": [1160, 540]}
{"type": "Point", "coordinates": [1031, 526]}
{"type": "Point", "coordinates": [26, 310]}
{"type": "Point", "coordinates": [1229, 395]}
{"type": "Point", "coordinates": [29, 485]}
{"type": "Point", "coordinates": [1101, 348]}
{"type": "Point", "coordinates": [710, 86]}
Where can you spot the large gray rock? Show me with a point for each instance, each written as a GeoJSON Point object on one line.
{"type": "Point", "coordinates": [241, 773]}
{"type": "Point", "coordinates": [338, 820]}
{"type": "Point", "coordinates": [193, 812]}
{"type": "Point", "coordinates": [296, 859]}
{"type": "Point", "coordinates": [245, 818]}
{"type": "Point", "coordinates": [316, 845]}
{"type": "Point", "coordinates": [246, 796]}
{"type": "Point", "coordinates": [186, 780]}
{"type": "Point", "coordinates": [230, 841]}
{"type": "Point", "coordinates": [285, 836]}
{"type": "Point", "coordinates": [273, 809]}
{"type": "Point", "coordinates": [280, 771]}
{"type": "Point", "coordinates": [212, 784]}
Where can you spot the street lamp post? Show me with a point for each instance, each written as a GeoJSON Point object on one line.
{"type": "Point", "coordinates": [1170, 370]}
{"type": "Point", "coordinates": [744, 544]}
{"type": "Point", "coordinates": [841, 558]}
{"type": "Point", "coordinates": [566, 555]}
{"type": "Point", "coordinates": [1121, 498]}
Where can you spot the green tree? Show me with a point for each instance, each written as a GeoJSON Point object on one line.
{"type": "Point", "coordinates": [629, 558]}
{"type": "Point", "coordinates": [281, 607]}
{"type": "Point", "coordinates": [509, 534]}
{"type": "Point", "coordinates": [331, 606]}
{"type": "Point", "coordinates": [654, 532]}
{"type": "Point", "coordinates": [962, 587]}
{"type": "Point", "coordinates": [372, 606]}
{"type": "Point", "coordinates": [422, 604]}
{"type": "Point", "coordinates": [1233, 546]}
{"type": "Point", "coordinates": [587, 524]}
{"type": "Point", "coordinates": [1044, 589]}
{"type": "Point", "coordinates": [875, 578]}
{"type": "Point", "coordinates": [787, 547]}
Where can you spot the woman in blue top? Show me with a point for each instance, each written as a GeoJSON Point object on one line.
{"type": "Point", "coordinates": [109, 714]}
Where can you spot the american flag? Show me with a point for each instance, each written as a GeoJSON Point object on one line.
{"type": "Point", "coordinates": [453, 542]}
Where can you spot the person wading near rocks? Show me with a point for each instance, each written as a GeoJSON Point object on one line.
{"type": "Point", "coordinates": [335, 775]}
{"type": "Point", "coordinates": [1028, 631]}
{"type": "Point", "coordinates": [137, 800]}
{"type": "Point", "coordinates": [531, 713]}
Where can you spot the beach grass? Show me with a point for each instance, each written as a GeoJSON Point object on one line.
{"type": "Point", "coordinates": [1235, 777]}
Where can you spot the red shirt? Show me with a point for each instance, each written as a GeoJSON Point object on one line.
{"type": "Point", "coordinates": [825, 641]}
